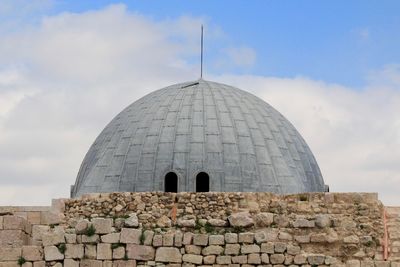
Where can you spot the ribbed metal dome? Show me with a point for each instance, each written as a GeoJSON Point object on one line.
{"type": "Point", "coordinates": [237, 139]}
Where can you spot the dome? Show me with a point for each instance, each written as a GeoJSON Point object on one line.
{"type": "Point", "coordinates": [199, 136]}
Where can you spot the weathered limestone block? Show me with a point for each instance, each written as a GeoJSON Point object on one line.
{"type": "Point", "coordinates": [102, 225]}
{"type": "Point", "coordinates": [178, 239]}
{"type": "Point", "coordinates": [90, 263]}
{"type": "Point", "coordinates": [90, 251]}
{"type": "Point", "coordinates": [303, 223]}
{"type": "Point", "coordinates": [74, 251]}
{"type": "Point", "coordinates": [71, 263]}
{"type": "Point", "coordinates": [32, 253]}
{"type": "Point", "coordinates": [264, 219]}
{"type": "Point", "coordinates": [231, 238]}
{"type": "Point", "coordinates": [200, 239]}
{"type": "Point", "coordinates": [38, 230]}
{"type": "Point", "coordinates": [13, 238]}
{"type": "Point", "coordinates": [210, 259]}
{"type": "Point", "coordinates": [104, 251]}
{"type": "Point", "coordinates": [316, 259]}
{"type": "Point", "coordinates": [241, 219]}
{"type": "Point", "coordinates": [264, 258]}
{"type": "Point", "coordinates": [168, 240]}
{"type": "Point", "coordinates": [267, 247]}
{"type": "Point", "coordinates": [254, 258]}
{"type": "Point", "coordinates": [288, 259]}
{"type": "Point", "coordinates": [140, 252]}
{"type": "Point", "coordinates": [217, 222]}
{"type": "Point", "coordinates": [70, 238]}
{"type": "Point", "coordinates": [130, 236]}
{"type": "Point", "coordinates": [118, 253]}
{"type": "Point", "coordinates": [187, 223]}
{"type": "Point", "coordinates": [300, 259]}
{"type": "Point", "coordinates": [216, 240]}
{"type": "Point", "coordinates": [232, 249]}
{"type": "Point", "coordinates": [285, 236]}
{"type": "Point", "coordinates": [11, 222]}
{"type": "Point", "coordinates": [212, 250]}
{"type": "Point", "coordinates": [281, 220]}
{"type": "Point", "coordinates": [164, 222]}
{"type": "Point", "coordinates": [193, 249]}
{"type": "Point", "coordinates": [168, 254]}
{"type": "Point", "coordinates": [223, 260]}
{"type": "Point", "coordinates": [368, 263]}
{"type": "Point", "coordinates": [124, 263]}
{"type": "Point", "coordinates": [293, 250]}
{"type": "Point", "coordinates": [195, 259]}
{"type": "Point", "coordinates": [187, 238]}
{"type": "Point", "coordinates": [277, 258]}
{"type": "Point", "coordinates": [302, 239]}
{"type": "Point", "coordinates": [242, 259]}
{"type": "Point", "coordinates": [246, 237]}
{"type": "Point", "coordinates": [51, 218]}
{"type": "Point", "coordinates": [81, 226]}
{"type": "Point", "coordinates": [247, 249]}
{"type": "Point", "coordinates": [51, 253]}
{"type": "Point", "coordinates": [157, 240]}
{"type": "Point", "coordinates": [352, 239]}
{"type": "Point", "coordinates": [9, 254]}
{"type": "Point", "coordinates": [94, 239]}
{"type": "Point", "coordinates": [9, 264]}
{"type": "Point", "coordinates": [382, 263]}
{"type": "Point", "coordinates": [39, 264]}
{"type": "Point", "coordinates": [53, 238]}
{"type": "Point", "coordinates": [322, 220]}
{"type": "Point", "coordinates": [280, 247]}
{"type": "Point", "coordinates": [353, 263]}
{"type": "Point", "coordinates": [110, 238]}
{"type": "Point", "coordinates": [132, 221]}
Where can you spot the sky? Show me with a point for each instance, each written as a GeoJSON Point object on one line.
{"type": "Point", "coordinates": [68, 67]}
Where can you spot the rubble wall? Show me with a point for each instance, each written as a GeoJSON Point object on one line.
{"type": "Point", "coordinates": [200, 229]}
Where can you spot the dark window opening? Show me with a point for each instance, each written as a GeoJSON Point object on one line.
{"type": "Point", "coordinates": [202, 182]}
{"type": "Point", "coordinates": [171, 182]}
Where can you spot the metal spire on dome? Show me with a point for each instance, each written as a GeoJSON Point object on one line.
{"type": "Point", "coordinates": [201, 54]}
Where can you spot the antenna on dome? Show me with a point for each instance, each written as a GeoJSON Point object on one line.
{"type": "Point", "coordinates": [201, 54]}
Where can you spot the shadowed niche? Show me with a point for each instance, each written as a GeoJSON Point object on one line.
{"type": "Point", "coordinates": [171, 182]}
{"type": "Point", "coordinates": [202, 182]}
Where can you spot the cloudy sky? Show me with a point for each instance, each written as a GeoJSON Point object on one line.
{"type": "Point", "coordinates": [68, 67]}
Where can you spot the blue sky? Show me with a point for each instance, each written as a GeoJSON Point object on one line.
{"type": "Point", "coordinates": [333, 41]}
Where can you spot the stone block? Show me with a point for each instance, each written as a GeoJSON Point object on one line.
{"type": "Point", "coordinates": [39, 264]}
{"type": "Point", "coordinates": [53, 238]}
{"type": "Point", "coordinates": [10, 254]}
{"type": "Point", "coordinates": [210, 259]}
{"type": "Point", "coordinates": [74, 251]}
{"type": "Point", "coordinates": [81, 226]}
{"type": "Point", "coordinates": [322, 220]}
{"type": "Point", "coordinates": [382, 263]}
{"type": "Point", "coordinates": [157, 240]}
{"type": "Point", "coordinates": [254, 258]}
{"type": "Point", "coordinates": [288, 259]}
{"type": "Point", "coordinates": [223, 260]}
{"type": "Point", "coordinates": [246, 237]}
{"type": "Point", "coordinates": [1, 223]}
{"type": "Point", "coordinates": [140, 252]}
{"type": "Point", "coordinates": [231, 238]}
{"type": "Point", "coordinates": [264, 258]}
{"type": "Point", "coordinates": [94, 239]}
{"type": "Point", "coordinates": [13, 238]}
{"type": "Point", "coordinates": [353, 263]}
{"type": "Point", "coordinates": [132, 221]}
{"type": "Point", "coordinates": [178, 239]}
{"type": "Point", "coordinates": [33, 217]}
{"type": "Point", "coordinates": [242, 259]}
{"type": "Point", "coordinates": [285, 236]}
{"type": "Point", "coordinates": [187, 238]}
{"type": "Point", "coordinates": [232, 249]}
{"type": "Point", "coordinates": [216, 240]}
{"type": "Point", "coordinates": [9, 264]}
{"type": "Point", "coordinates": [11, 222]}
{"type": "Point", "coordinates": [300, 259]}
{"type": "Point", "coordinates": [193, 249]}
{"type": "Point", "coordinates": [111, 238]}
{"type": "Point", "coordinates": [303, 223]}
{"type": "Point", "coordinates": [279, 247]}
{"type": "Point", "coordinates": [241, 219]}
{"type": "Point", "coordinates": [118, 253]}
{"type": "Point", "coordinates": [70, 238]}
{"type": "Point", "coordinates": [104, 251]}
{"type": "Point", "coordinates": [267, 247]}
{"type": "Point", "coordinates": [367, 263]}
{"type": "Point", "coordinates": [351, 239]}
{"type": "Point", "coordinates": [264, 219]}
{"type": "Point", "coordinates": [51, 253]}
{"type": "Point", "coordinates": [187, 223]}
{"type": "Point", "coordinates": [195, 259]}
{"type": "Point", "coordinates": [168, 240]}
{"type": "Point", "coordinates": [217, 222]}
{"type": "Point", "coordinates": [302, 239]}
{"type": "Point", "coordinates": [124, 263]}
{"type": "Point", "coordinates": [293, 249]}
{"type": "Point", "coordinates": [277, 258]}
{"type": "Point", "coordinates": [71, 263]}
{"type": "Point", "coordinates": [200, 239]}
{"type": "Point", "coordinates": [32, 253]}
{"type": "Point", "coordinates": [102, 225]}
{"type": "Point", "coordinates": [51, 218]}
{"type": "Point", "coordinates": [91, 263]}
{"type": "Point", "coordinates": [130, 236]}
{"type": "Point", "coordinates": [168, 254]}
{"type": "Point", "coordinates": [38, 230]}
{"type": "Point", "coordinates": [90, 251]}
{"type": "Point", "coordinates": [316, 259]}
{"type": "Point", "coordinates": [212, 250]}
{"type": "Point", "coordinates": [247, 249]}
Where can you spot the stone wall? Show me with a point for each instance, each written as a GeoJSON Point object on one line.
{"type": "Point", "coordinates": [208, 229]}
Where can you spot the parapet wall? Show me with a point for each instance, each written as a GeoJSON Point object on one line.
{"type": "Point", "coordinates": [209, 229]}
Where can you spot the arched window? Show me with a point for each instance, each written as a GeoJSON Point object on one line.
{"type": "Point", "coordinates": [202, 182]}
{"type": "Point", "coordinates": [171, 182]}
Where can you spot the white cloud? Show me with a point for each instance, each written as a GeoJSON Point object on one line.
{"type": "Point", "coordinates": [63, 80]}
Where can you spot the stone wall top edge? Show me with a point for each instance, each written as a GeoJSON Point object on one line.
{"type": "Point", "coordinates": [4, 209]}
